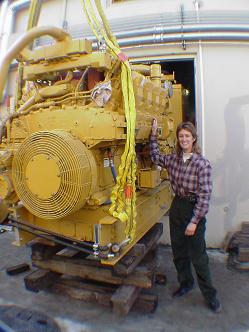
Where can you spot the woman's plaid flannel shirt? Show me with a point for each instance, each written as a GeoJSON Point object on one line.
{"type": "Point", "coordinates": [190, 178]}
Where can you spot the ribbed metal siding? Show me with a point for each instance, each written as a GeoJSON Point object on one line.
{"type": "Point", "coordinates": [168, 23]}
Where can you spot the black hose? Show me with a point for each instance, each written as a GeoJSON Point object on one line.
{"type": "Point", "coordinates": [112, 166]}
{"type": "Point", "coordinates": [29, 229]}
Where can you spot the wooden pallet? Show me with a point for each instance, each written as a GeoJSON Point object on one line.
{"type": "Point", "coordinates": [120, 298]}
{"type": "Point", "coordinates": [122, 287]}
{"type": "Point", "coordinates": [238, 249]}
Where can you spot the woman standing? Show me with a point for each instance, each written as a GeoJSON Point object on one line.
{"type": "Point", "coordinates": [190, 178]}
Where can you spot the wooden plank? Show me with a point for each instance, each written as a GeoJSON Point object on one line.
{"type": "Point", "coordinates": [227, 241]}
{"type": "Point", "coordinates": [101, 294]}
{"type": "Point", "coordinates": [243, 253]}
{"type": "Point", "coordinates": [40, 279]}
{"type": "Point", "coordinates": [237, 239]}
{"type": "Point", "coordinates": [13, 270]}
{"type": "Point", "coordinates": [41, 251]}
{"type": "Point", "coordinates": [86, 295]}
{"type": "Point", "coordinates": [86, 291]}
{"type": "Point", "coordinates": [161, 266]}
{"type": "Point", "coordinates": [146, 303]}
{"type": "Point", "coordinates": [240, 238]}
{"type": "Point", "coordinates": [234, 264]}
{"type": "Point", "coordinates": [124, 298]}
{"type": "Point", "coordinates": [245, 227]}
{"type": "Point", "coordinates": [149, 260]}
{"type": "Point", "coordinates": [39, 240]}
{"type": "Point", "coordinates": [141, 277]}
{"type": "Point", "coordinates": [129, 262]}
{"type": "Point", "coordinates": [67, 252]}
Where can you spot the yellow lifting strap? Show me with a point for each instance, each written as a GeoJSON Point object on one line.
{"type": "Point", "coordinates": [123, 197]}
{"type": "Point", "coordinates": [34, 13]}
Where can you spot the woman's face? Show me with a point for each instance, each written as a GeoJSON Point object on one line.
{"type": "Point", "coordinates": [185, 140]}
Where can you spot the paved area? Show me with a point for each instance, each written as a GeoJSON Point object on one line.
{"type": "Point", "coordinates": [172, 315]}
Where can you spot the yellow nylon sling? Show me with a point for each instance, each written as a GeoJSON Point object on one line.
{"type": "Point", "coordinates": [123, 197]}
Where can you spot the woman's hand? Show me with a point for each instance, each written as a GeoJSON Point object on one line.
{"type": "Point", "coordinates": [190, 230]}
{"type": "Point", "coordinates": [154, 127]}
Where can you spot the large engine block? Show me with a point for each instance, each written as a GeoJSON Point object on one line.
{"type": "Point", "coordinates": [61, 149]}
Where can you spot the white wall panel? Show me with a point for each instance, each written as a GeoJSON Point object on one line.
{"type": "Point", "coordinates": [75, 12]}
{"type": "Point", "coordinates": [226, 128]}
{"type": "Point", "coordinates": [51, 13]}
{"type": "Point", "coordinates": [141, 7]}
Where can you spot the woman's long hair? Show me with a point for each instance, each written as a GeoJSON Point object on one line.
{"type": "Point", "coordinates": [191, 128]}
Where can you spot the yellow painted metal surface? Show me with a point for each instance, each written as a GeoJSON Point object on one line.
{"type": "Point", "coordinates": [148, 178]}
{"type": "Point", "coordinates": [58, 157]}
{"type": "Point", "coordinates": [176, 103]}
{"type": "Point", "coordinates": [43, 176]}
{"type": "Point", "coordinates": [69, 62]}
{"type": "Point", "coordinates": [34, 13]}
{"type": "Point", "coordinates": [53, 174]}
{"type": "Point", "coordinates": [5, 186]}
{"type": "Point", "coordinates": [3, 210]}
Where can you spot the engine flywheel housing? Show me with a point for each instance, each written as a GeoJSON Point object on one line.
{"type": "Point", "coordinates": [53, 174]}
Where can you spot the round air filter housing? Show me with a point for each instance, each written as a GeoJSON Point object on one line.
{"type": "Point", "coordinates": [53, 174]}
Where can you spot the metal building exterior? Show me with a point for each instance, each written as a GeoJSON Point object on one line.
{"type": "Point", "coordinates": [214, 37]}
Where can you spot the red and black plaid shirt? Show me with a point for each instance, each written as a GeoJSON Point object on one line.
{"type": "Point", "coordinates": [190, 178]}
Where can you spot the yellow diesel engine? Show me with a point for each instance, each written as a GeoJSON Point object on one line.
{"type": "Point", "coordinates": [62, 146]}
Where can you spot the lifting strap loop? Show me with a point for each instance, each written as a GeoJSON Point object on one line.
{"type": "Point", "coordinates": [123, 197]}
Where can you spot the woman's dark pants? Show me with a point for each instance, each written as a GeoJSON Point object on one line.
{"type": "Point", "coordinates": [187, 249]}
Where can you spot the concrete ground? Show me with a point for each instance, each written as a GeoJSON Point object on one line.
{"type": "Point", "coordinates": [172, 315]}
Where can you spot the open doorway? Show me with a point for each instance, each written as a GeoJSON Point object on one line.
{"type": "Point", "coordinates": [184, 75]}
{"type": "Point", "coordinates": [184, 70]}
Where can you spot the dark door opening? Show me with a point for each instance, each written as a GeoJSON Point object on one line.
{"type": "Point", "coordinates": [184, 75]}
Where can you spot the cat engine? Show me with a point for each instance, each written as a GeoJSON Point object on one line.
{"type": "Point", "coordinates": [61, 147]}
